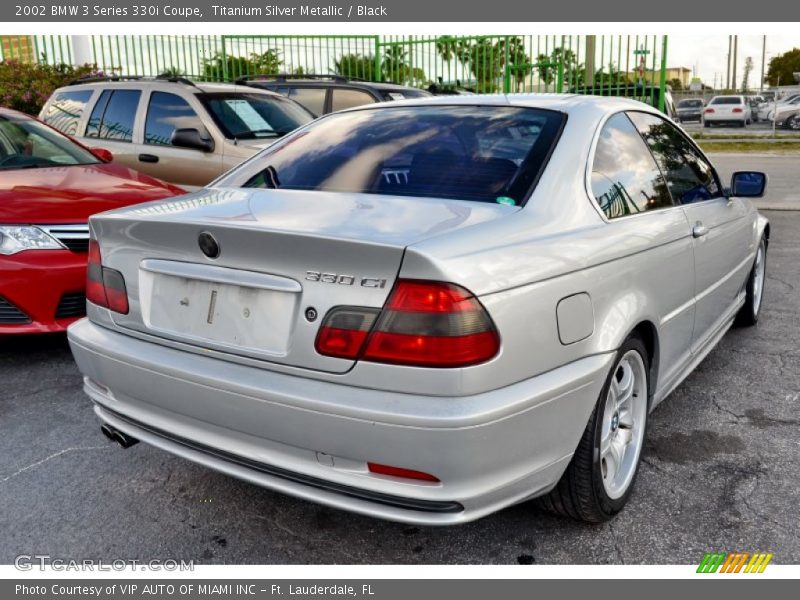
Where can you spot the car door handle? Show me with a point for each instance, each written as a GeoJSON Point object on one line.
{"type": "Point", "coordinates": [148, 158]}
{"type": "Point", "coordinates": [699, 230]}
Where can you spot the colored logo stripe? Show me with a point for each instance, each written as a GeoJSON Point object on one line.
{"type": "Point", "coordinates": [734, 562]}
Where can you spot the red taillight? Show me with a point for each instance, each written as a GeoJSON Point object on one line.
{"type": "Point", "coordinates": [95, 292]}
{"type": "Point", "coordinates": [400, 472]}
{"type": "Point", "coordinates": [104, 287]}
{"type": "Point", "coordinates": [424, 324]}
{"type": "Point", "coordinates": [709, 110]}
{"type": "Point", "coordinates": [738, 110]}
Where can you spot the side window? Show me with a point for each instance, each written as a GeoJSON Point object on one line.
{"type": "Point", "coordinates": [689, 176]}
{"type": "Point", "coordinates": [344, 98]}
{"type": "Point", "coordinates": [66, 110]}
{"type": "Point", "coordinates": [113, 115]}
{"type": "Point", "coordinates": [625, 178]}
{"type": "Point", "coordinates": [166, 113]}
{"type": "Point", "coordinates": [312, 98]}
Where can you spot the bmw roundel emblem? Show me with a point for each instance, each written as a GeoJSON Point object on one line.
{"type": "Point", "coordinates": [208, 245]}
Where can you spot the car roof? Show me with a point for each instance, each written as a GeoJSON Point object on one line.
{"type": "Point", "coordinates": [332, 81]}
{"type": "Point", "coordinates": [10, 112]}
{"type": "Point", "coordinates": [185, 85]}
{"type": "Point", "coordinates": [566, 103]}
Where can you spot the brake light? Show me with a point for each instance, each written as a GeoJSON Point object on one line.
{"type": "Point", "coordinates": [95, 292]}
{"type": "Point", "coordinates": [424, 324]}
{"type": "Point", "coordinates": [709, 110]}
{"type": "Point", "coordinates": [105, 287]}
{"type": "Point", "coordinates": [400, 472]}
{"type": "Point", "coordinates": [737, 110]}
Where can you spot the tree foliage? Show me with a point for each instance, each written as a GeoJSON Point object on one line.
{"type": "Point", "coordinates": [27, 86]}
{"type": "Point", "coordinates": [355, 66]}
{"type": "Point", "coordinates": [487, 60]}
{"type": "Point", "coordinates": [781, 68]}
{"type": "Point", "coordinates": [218, 66]}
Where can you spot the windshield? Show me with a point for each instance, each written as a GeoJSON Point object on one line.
{"type": "Point", "coordinates": [479, 153]}
{"type": "Point", "coordinates": [727, 100]}
{"type": "Point", "coordinates": [246, 116]}
{"type": "Point", "coordinates": [27, 144]}
{"type": "Point", "coordinates": [690, 103]}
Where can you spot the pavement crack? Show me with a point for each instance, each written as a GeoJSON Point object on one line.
{"type": "Point", "coordinates": [721, 408]}
{"type": "Point", "coordinates": [51, 457]}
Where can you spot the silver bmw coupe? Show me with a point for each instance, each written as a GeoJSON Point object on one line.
{"type": "Point", "coordinates": [426, 311]}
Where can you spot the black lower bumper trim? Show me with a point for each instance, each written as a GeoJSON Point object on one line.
{"type": "Point", "coordinates": [431, 506]}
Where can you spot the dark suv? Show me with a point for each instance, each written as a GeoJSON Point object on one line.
{"type": "Point", "coordinates": [322, 94]}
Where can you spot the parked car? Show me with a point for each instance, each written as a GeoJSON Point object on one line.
{"type": "Point", "coordinates": [727, 109]}
{"type": "Point", "coordinates": [49, 186]}
{"type": "Point", "coordinates": [787, 115]}
{"type": "Point", "coordinates": [755, 102]}
{"type": "Point", "coordinates": [427, 311]}
{"type": "Point", "coordinates": [182, 132]}
{"type": "Point", "coordinates": [322, 94]}
{"type": "Point", "coordinates": [690, 109]}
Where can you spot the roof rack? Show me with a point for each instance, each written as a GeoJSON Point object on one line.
{"type": "Point", "coordinates": [97, 79]}
{"type": "Point", "coordinates": [107, 78]}
{"type": "Point", "coordinates": [286, 76]}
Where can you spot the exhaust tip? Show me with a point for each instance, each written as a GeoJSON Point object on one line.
{"type": "Point", "coordinates": [115, 435]}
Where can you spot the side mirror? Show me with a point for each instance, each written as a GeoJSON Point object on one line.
{"type": "Point", "coordinates": [191, 138]}
{"type": "Point", "coordinates": [102, 154]}
{"type": "Point", "coordinates": [748, 184]}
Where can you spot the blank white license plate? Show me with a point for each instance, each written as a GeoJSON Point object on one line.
{"type": "Point", "coordinates": [231, 315]}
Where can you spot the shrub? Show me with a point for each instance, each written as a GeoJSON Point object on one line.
{"type": "Point", "coordinates": [26, 87]}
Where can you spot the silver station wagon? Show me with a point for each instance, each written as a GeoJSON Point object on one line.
{"type": "Point", "coordinates": [426, 311]}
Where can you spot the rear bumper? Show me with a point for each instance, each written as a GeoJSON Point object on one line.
{"type": "Point", "coordinates": [312, 439]}
{"type": "Point", "coordinates": [35, 281]}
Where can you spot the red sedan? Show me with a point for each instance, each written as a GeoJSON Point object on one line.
{"type": "Point", "coordinates": [49, 187]}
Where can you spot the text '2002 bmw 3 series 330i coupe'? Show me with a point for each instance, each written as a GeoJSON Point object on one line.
{"type": "Point", "coordinates": [426, 311]}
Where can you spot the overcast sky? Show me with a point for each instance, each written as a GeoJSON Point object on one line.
{"type": "Point", "coordinates": [708, 54]}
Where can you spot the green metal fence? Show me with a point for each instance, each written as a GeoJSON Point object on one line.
{"type": "Point", "coordinates": [631, 65]}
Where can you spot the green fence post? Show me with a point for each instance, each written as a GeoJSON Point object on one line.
{"type": "Point", "coordinates": [560, 71]}
{"type": "Point", "coordinates": [224, 61]}
{"type": "Point", "coordinates": [507, 69]}
{"type": "Point", "coordinates": [377, 58]}
{"type": "Point", "coordinates": [663, 86]}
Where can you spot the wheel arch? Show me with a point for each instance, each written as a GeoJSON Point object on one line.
{"type": "Point", "coordinates": [648, 332]}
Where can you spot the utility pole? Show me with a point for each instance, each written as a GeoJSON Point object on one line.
{"type": "Point", "coordinates": [733, 71]}
{"type": "Point", "coordinates": [763, 61]}
{"type": "Point", "coordinates": [728, 72]}
{"type": "Point", "coordinates": [590, 46]}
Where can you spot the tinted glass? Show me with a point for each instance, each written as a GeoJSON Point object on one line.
{"type": "Point", "coordinates": [245, 116]}
{"type": "Point", "coordinates": [487, 154]}
{"type": "Point", "coordinates": [689, 176]}
{"type": "Point", "coordinates": [165, 114]}
{"type": "Point", "coordinates": [403, 93]}
{"type": "Point", "coordinates": [25, 143]}
{"type": "Point", "coordinates": [690, 103]}
{"type": "Point", "coordinates": [727, 100]}
{"type": "Point", "coordinates": [343, 98]}
{"type": "Point", "coordinates": [625, 178]}
{"type": "Point", "coordinates": [113, 115]}
{"type": "Point", "coordinates": [66, 110]}
{"type": "Point", "coordinates": [312, 98]}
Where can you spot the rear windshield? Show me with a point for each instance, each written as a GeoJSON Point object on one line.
{"type": "Point", "coordinates": [727, 100]}
{"type": "Point", "coordinates": [479, 153]}
{"type": "Point", "coordinates": [244, 116]}
{"type": "Point", "coordinates": [690, 103]}
{"type": "Point", "coordinates": [403, 94]}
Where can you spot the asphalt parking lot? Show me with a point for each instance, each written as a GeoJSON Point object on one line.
{"type": "Point", "coordinates": [720, 472]}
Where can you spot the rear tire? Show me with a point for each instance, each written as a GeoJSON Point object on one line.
{"type": "Point", "coordinates": [792, 122]}
{"type": "Point", "coordinates": [706, 124]}
{"type": "Point", "coordinates": [748, 314]}
{"type": "Point", "coordinates": [600, 477]}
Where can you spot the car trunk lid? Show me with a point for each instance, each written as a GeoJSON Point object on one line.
{"type": "Point", "coordinates": [284, 259]}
